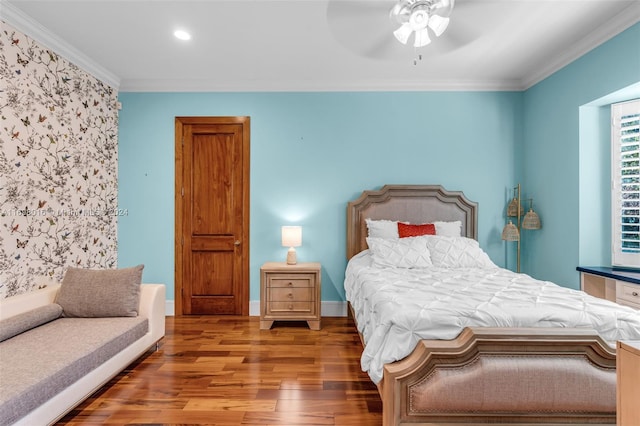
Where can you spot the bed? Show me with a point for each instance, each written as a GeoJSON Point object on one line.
{"type": "Point", "coordinates": [489, 369]}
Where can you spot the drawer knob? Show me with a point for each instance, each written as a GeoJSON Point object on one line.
{"type": "Point", "coordinates": [290, 295]}
{"type": "Point", "coordinates": [290, 306]}
{"type": "Point", "coordinates": [634, 294]}
{"type": "Point", "coordinates": [290, 284]}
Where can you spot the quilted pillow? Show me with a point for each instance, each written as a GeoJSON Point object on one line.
{"type": "Point", "coordinates": [100, 292]}
{"type": "Point", "coordinates": [400, 253]}
{"type": "Point", "coordinates": [382, 228]}
{"type": "Point", "coordinates": [457, 252]}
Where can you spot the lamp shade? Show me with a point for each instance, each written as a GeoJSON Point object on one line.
{"type": "Point", "coordinates": [510, 232]}
{"type": "Point", "coordinates": [512, 208]}
{"type": "Point", "coordinates": [291, 236]}
{"type": "Point", "coordinates": [531, 220]}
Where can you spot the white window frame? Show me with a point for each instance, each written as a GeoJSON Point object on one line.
{"type": "Point", "coordinates": [625, 184]}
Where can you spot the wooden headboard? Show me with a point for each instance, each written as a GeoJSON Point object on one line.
{"type": "Point", "coordinates": [410, 203]}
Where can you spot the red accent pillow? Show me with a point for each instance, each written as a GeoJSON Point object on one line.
{"type": "Point", "coordinates": [407, 230]}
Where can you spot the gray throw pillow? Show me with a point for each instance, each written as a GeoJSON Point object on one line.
{"type": "Point", "coordinates": [100, 292]}
{"type": "Point", "coordinates": [25, 321]}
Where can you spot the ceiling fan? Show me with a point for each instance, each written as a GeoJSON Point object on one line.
{"type": "Point", "coordinates": [372, 28]}
{"type": "Point", "coordinates": [417, 17]}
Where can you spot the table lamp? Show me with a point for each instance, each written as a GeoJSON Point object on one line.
{"type": "Point", "coordinates": [291, 237]}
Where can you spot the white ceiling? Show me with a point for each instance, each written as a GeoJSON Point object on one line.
{"type": "Point", "coordinates": [316, 45]}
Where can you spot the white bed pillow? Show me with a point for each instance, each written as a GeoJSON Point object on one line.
{"type": "Point", "coordinates": [457, 252]}
{"type": "Point", "coordinates": [382, 228]}
{"type": "Point", "coordinates": [449, 229]}
{"type": "Point", "coordinates": [400, 253]}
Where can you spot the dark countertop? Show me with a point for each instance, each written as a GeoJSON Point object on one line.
{"type": "Point", "coordinates": [628, 275]}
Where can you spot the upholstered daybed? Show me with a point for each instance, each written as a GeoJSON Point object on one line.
{"type": "Point", "coordinates": [55, 355]}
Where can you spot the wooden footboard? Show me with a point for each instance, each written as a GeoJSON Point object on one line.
{"type": "Point", "coordinates": [504, 375]}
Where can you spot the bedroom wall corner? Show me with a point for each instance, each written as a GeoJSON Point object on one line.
{"type": "Point", "coordinates": [557, 162]}
{"type": "Point", "coordinates": [58, 165]}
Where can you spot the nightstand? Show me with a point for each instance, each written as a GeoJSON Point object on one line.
{"type": "Point", "coordinates": [290, 293]}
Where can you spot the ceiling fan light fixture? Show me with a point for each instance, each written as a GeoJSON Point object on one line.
{"type": "Point", "coordinates": [403, 33]}
{"type": "Point", "coordinates": [438, 24]}
{"type": "Point", "coordinates": [422, 38]}
{"type": "Point", "coordinates": [419, 17]}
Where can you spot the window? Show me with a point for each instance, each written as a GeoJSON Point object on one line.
{"type": "Point", "coordinates": [625, 193]}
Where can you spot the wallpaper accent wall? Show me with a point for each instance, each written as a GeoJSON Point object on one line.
{"type": "Point", "coordinates": [58, 165]}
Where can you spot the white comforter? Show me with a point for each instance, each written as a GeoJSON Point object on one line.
{"type": "Point", "coordinates": [396, 307]}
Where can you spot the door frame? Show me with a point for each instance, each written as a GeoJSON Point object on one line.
{"type": "Point", "coordinates": [180, 122]}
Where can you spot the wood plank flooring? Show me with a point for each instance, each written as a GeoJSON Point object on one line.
{"type": "Point", "coordinates": [220, 370]}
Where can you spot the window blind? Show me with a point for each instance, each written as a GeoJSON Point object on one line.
{"type": "Point", "coordinates": [625, 192]}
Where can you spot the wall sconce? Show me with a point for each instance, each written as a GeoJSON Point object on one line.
{"type": "Point", "coordinates": [531, 220]}
{"type": "Point", "coordinates": [291, 237]}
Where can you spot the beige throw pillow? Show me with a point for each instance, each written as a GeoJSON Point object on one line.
{"type": "Point", "coordinates": [100, 292]}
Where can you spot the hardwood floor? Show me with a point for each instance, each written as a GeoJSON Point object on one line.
{"type": "Point", "coordinates": [217, 370]}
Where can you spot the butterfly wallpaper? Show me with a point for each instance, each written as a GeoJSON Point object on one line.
{"type": "Point", "coordinates": [58, 166]}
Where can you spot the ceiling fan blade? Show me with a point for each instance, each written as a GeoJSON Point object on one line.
{"type": "Point", "coordinates": [422, 38]}
{"type": "Point", "coordinates": [463, 28]}
{"type": "Point", "coordinates": [363, 27]}
{"type": "Point", "coordinates": [403, 33]}
{"type": "Point", "coordinates": [388, 49]}
{"type": "Point", "coordinates": [359, 11]}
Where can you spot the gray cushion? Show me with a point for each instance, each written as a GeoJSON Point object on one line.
{"type": "Point", "coordinates": [38, 364]}
{"type": "Point", "coordinates": [100, 292]}
{"type": "Point", "coordinates": [20, 323]}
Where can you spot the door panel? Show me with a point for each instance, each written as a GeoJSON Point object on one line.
{"type": "Point", "coordinates": [212, 215]}
{"type": "Point", "coordinates": [213, 185]}
{"type": "Point", "coordinates": [212, 274]}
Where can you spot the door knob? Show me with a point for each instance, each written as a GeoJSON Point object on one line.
{"type": "Point", "coordinates": [237, 243]}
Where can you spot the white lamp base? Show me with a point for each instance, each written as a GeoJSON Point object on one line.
{"type": "Point", "coordinates": [291, 256]}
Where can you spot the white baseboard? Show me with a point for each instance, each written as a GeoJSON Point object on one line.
{"type": "Point", "coordinates": [328, 308]}
{"type": "Point", "coordinates": [170, 308]}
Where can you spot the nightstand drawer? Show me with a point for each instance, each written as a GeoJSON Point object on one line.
{"type": "Point", "coordinates": [286, 294]}
{"type": "Point", "coordinates": [290, 281]}
{"type": "Point", "coordinates": [291, 308]}
{"type": "Point", "coordinates": [627, 292]}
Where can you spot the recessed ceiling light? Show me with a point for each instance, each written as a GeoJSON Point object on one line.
{"type": "Point", "coordinates": [182, 35]}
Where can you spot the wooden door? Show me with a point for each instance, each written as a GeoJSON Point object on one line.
{"type": "Point", "coordinates": [212, 215]}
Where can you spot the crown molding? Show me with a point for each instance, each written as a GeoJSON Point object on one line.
{"type": "Point", "coordinates": [343, 85]}
{"type": "Point", "coordinates": [27, 25]}
{"type": "Point", "coordinates": [616, 25]}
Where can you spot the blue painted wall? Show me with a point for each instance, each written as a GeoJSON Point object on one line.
{"type": "Point", "coordinates": [566, 157]}
{"type": "Point", "coordinates": [311, 153]}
